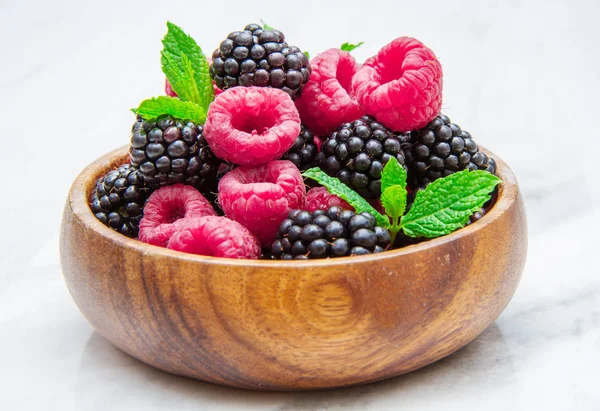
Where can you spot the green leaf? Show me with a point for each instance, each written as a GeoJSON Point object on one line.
{"type": "Point", "coordinates": [307, 54]}
{"type": "Point", "coordinates": [186, 67]}
{"type": "Point", "coordinates": [446, 204]}
{"type": "Point", "coordinates": [393, 174]}
{"type": "Point", "coordinates": [336, 187]}
{"type": "Point", "coordinates": [185, 110]}
{"type": "Point", "coordinates": [266, 26]}
{"type": "Point", "coordinates": [349, 46]}
{"type": "Point", "coordinates": [393, 200]}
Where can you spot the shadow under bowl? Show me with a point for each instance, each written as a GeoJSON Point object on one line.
{"type": "Point", "coordinates": [292, 325]}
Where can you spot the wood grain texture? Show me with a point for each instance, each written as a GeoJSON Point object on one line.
{"type": "Point", "coordinates": [275, 325]}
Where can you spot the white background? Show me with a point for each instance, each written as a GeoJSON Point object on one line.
{"type": "Point", "coordinates": [521, 76]}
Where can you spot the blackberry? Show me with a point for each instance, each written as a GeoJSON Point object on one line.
{"type": "Point", "coordinates": [356, 153]}
{"type": "Point", "coordinates": [442, 148]}
{"type": "Point", "coordinates": [169, 151]}
{"type": "Point", "coordinates": [118, 199]}
{"type": "Point", "coordinates": [259, 57]}
{"type": "Point", "coordinates": [324, 234]}
{"type": "Point", "coordinates": [304, 150]}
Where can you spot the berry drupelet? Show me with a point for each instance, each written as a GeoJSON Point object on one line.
{"type": "Point", "coordinates": [442, 148]}
{"type": "Point", "coordinates": [357, 152]}
{"type": "Point", "coordinates": [169, 151]}
{"type": "Point", "coordinates": [304, 150]}
{"type": "Point", "coordinates": [262, 58]}
{"type": "Point", "coordinates": [334, 232]}
{"type": "Point", "coordinates": [118, 199]}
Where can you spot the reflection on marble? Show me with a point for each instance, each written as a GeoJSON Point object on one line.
{"type": "Point", "coordinates": [521, 76]}
{"type": "Point", "coordinates": [105, 373]}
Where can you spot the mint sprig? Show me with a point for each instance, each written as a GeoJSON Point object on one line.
{"type": "Point", "coordinates": [442, 207]}
{"type": "Point", "coordinates": [393, 193]}
{"type": "Point", "coordinates": [349, 46]}
{"type": "Point", "coordinates": [336, 187]}
{"type": "Point", "coordinates": [152, 108]}
{"type": "Point", "coordinates": [393, 174]}
{"type": "Point", "coordinates": [186, 67]}
{"type": "Point", "coordinates": [446, 204]}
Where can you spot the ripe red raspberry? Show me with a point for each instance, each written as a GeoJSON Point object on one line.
{"type": "Point", "coordinates": [318, 198]}
{"type": "Point", "coordinates": [251, 125]}
{"type": "Point", "coordinates": [260, 197]}
{"type": "Point", "coordinates": [165, 209]}
{"type": "Point", "coordinates": [318, 142]}
{"type": "Point", "coordinates": [401, 86]}
{"type": "Point", "coordinates": [327, 100]}
{"type": "Point", "coordinates": [215, 236]}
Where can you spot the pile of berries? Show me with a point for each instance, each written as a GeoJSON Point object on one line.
{"type": "Point", "coordinates": [232, 186]}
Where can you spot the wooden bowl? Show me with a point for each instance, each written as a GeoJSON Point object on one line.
{"type": "Point", "coordinates": [277, 325]}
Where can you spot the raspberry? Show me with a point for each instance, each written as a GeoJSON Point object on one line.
{"type": "Point", "coordinates": [318, 198]}
{"type": "Point", "coordinates": [401, 86]}
{"type": "Point", "coordinates": [166, 207]}
{"type": "Point", "coordinates": [327, 100]}
{"type": "Point", "coordinates": [251, 125]}
{"type": "Point", "coordinates": [260, 197]}
{"type": "Point", "coordinates": [318, 142]}
{"type": "Point", "coordinates": [215, 236]}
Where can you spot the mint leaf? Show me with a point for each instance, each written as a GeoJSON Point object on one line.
{"type": "Point", "coordinates": [336, 187]}
{"type": "Point", "coordinates": [393, 200]}
{"type": "Point", "coordinates": [349, 46]}
{"type": "Point", "coordinates": [266, 26]}
{"type": "Point", "coordinates": [446, 204]}
{"type": "Point", "coordinates": [393, 174]}
{"type": "Point", "coordinates": [307, 54]}
{"type": "Point", "coordinates": [185, 110]}
{"type": "Point", "coordinates": [186, 67]}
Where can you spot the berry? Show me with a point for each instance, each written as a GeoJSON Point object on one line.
{"type": "Point", "coordinates": [442, 148]}
{"type": "Point", "coordinates": [169, 90]}
{"type": "Point", "coordinates": [118, 199]}
{"type": "Point", "coordinates": [328, 233]}
{"type": "Point", "coordinates": [251, 125]}
{"type": "Point", "coordinates": [169, 151]}
{"type": "Point", "coordinates": [262, 58]}
{"type": "Point", "coordinates": [319, 198]}
{"type": "Point", "coordinates": [327, 100]}
{"type": "Point", "coordinates": [260, 197]}
{"type": "Point", "coordinates": [215, 236]}
{"type": "Point", "coordinates": [168, 206]}
{"type": "Point", "coordinates": [303, 151]}
{"type": "Point", "coordinates": [401, 86]}
{"type": "Point", "coordinates": [357, 152]}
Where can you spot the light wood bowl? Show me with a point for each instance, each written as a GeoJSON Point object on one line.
{"type": "Point", "coordinates": [276, 325]}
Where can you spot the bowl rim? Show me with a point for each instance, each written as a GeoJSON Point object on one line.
{"type": "Point", "coordinates": [81, 189]}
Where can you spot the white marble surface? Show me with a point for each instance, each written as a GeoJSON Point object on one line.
{"type": "Point", "coordinates": [520, 75]}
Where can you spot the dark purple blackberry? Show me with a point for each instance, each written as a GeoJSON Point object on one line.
{"type": "Point", "coordinates": [304, 150]}
{"type": "Point", "coordinates": [118, 199]}
{"type": "Point", "coordinates": [442, 148]}
{"type": "Point", "coordinates": [326, 234]}
{"type": "Point", "coordinates": [259, 57]}
{"type": "Point", "coordinates": [357, 152]}
{"type": "Point", "coordinates": [169, 151]}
